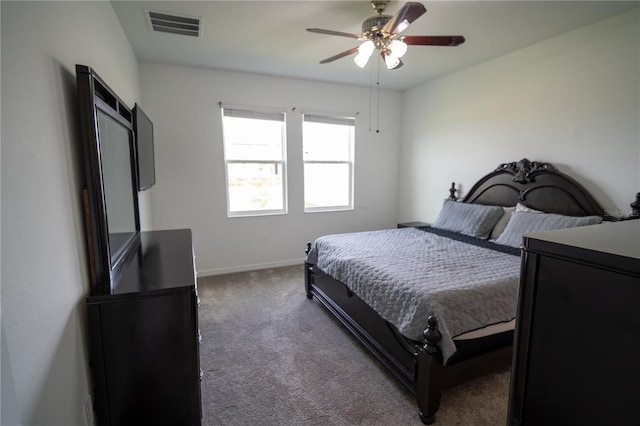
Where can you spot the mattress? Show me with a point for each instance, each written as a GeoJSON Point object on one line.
{"type": "Point", "coordinates": [408, 274]}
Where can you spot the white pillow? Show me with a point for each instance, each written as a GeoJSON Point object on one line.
{"type": "Point", "coordinates": [523, 208]}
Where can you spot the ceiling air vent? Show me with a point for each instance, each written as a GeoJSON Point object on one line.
{"type": "Point", "coordinates": [175, 24]}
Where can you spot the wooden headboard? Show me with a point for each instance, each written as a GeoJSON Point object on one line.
{"type": "Point", "coordinates": [537, 185]}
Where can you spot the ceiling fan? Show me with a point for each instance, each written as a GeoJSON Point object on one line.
{"type": "Point", "coordinates": [382, 32]}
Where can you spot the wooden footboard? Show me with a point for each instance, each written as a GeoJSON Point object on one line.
{"type": "Point", "coordinates": [417, 365]}
{"type": "Point", "coordinates": [380, 337]}
{"type": "Point", "coordinates": [433, 378]}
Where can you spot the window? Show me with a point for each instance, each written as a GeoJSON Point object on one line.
{"type": "Point", "coordinates": [254, 151]}
{"type": "Point", "coordinates": [328, 146]}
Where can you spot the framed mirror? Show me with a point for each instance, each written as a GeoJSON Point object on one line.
{"type": "Point", "coordinates": [110, 198]}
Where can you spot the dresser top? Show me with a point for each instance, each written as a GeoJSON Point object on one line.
{"type": "Point", "coordinates": [612, 245]}
{"type": "Point", "coordinates": [618, 238]}
{"type": "Point", "coordinates": [162, 262]}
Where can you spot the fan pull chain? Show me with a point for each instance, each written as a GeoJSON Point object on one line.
{"type": "Point", "coordinates": [377, 97]}
{"type": "Point", "coordinates": [370, 95]}
{"type": "Point", "coordinates": [378, 100]}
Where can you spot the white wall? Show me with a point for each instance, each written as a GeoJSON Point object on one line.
{"type": "Point", "coordinates": [573, 100]}
{"type": "Point", "coordinates": [44, 261]}
{"type": "Point", "coordinates": [183, 103]}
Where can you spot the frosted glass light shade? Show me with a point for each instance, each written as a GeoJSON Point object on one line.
{"type": "Point", "coordinates": [361, 60]}
{"type": "Point", "coordinates": [391, 61]}
{"type": "Point", "coordinates": [398, 48]}
{"type": "Point", "coordinates": [364, 52]}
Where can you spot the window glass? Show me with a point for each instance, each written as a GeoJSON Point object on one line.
{"type": "Point", "coordinates": [254, 149]}
{"type": "Point", "coordinates": [328, 146]}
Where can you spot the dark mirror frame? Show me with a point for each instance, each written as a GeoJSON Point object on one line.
{"type": "Point", "coordinates": [145, 150]}
{"type": "Point", "coordinates": [106, 259]}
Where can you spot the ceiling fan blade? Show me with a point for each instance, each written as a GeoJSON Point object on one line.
{"type": "Point", "coordinates": [455, 40]}
{"type": "Point", "coordinates": [331, 32]}
{"type": "Point", "coordinates": [405, 16]}
{"type": "Point", "coordinates": [339, 55]}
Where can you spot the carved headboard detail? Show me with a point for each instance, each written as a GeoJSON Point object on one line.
{"type": "Point", "coordinates": [635, 207]}
{"type": "Point", "coordinates": [537, 185]}
{"type": "Point", "coordinates": [524, 171]}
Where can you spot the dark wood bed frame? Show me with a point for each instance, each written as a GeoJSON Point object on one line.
{"type": "Point", "coordinates": [418, 365]}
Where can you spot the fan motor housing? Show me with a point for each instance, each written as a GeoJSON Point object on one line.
{"type": "Point", "coordinates": [374, 24]}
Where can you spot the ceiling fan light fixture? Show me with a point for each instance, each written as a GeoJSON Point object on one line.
{"type": "Point", "coordinates": [366, 48]}
{"type": "Point", "coordinates": [381, 33]}
{"type": "Point", "coordinates": [364, 53]}
{"type": "Point", "coordinates": [398, 48]}
{"type": "Point", "coordinates": [391, 60]}
{"type": "Point", "coordinates": [361, 60]}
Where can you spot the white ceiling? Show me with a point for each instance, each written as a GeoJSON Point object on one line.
{"type": "Point", "coordinates": [269, 37]}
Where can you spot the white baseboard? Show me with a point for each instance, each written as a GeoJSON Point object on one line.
{"type": "Point", "coordinates": [253, 267]}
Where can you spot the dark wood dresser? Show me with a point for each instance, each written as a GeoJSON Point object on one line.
{"type": "Point", "coordinates": [577, 342]}
{"type": "Point", "coordinates": [144, 337]}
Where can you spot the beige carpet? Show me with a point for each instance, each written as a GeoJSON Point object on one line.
{"type": "Point", "coordinates": [273, 357]}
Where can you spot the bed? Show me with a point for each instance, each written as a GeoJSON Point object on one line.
{"type": "Point", "coordinates": [437, 304]}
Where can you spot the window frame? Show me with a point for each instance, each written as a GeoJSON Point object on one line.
{"type": "Point", "coordinates": [252, 112]}
{"type": "Point", "coordinates": [332, 118]}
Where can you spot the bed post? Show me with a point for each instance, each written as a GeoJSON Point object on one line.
{"type": "Point", "coordinates": [428, 382]}
{"type": "Point", "coordinates": [452, 192]}
{"type": "Point", "coordinates": [308, 271]}
{"type": "Point", "coordinates": [635, 207]}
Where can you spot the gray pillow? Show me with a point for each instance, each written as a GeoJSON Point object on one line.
{"type": "Point", "coordinates": [475, 220]}
{"type": "Point", "coordinates": [525, 222]}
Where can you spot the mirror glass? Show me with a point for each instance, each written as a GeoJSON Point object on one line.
{"type": "Point", "coordinates": [117, 178]}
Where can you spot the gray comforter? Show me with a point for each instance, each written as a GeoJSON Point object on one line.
{"type": "Point", "coordinates": [407, 274]}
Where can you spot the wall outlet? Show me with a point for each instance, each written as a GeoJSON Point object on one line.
{"type": "Point", "coordinates": [88, 412]}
